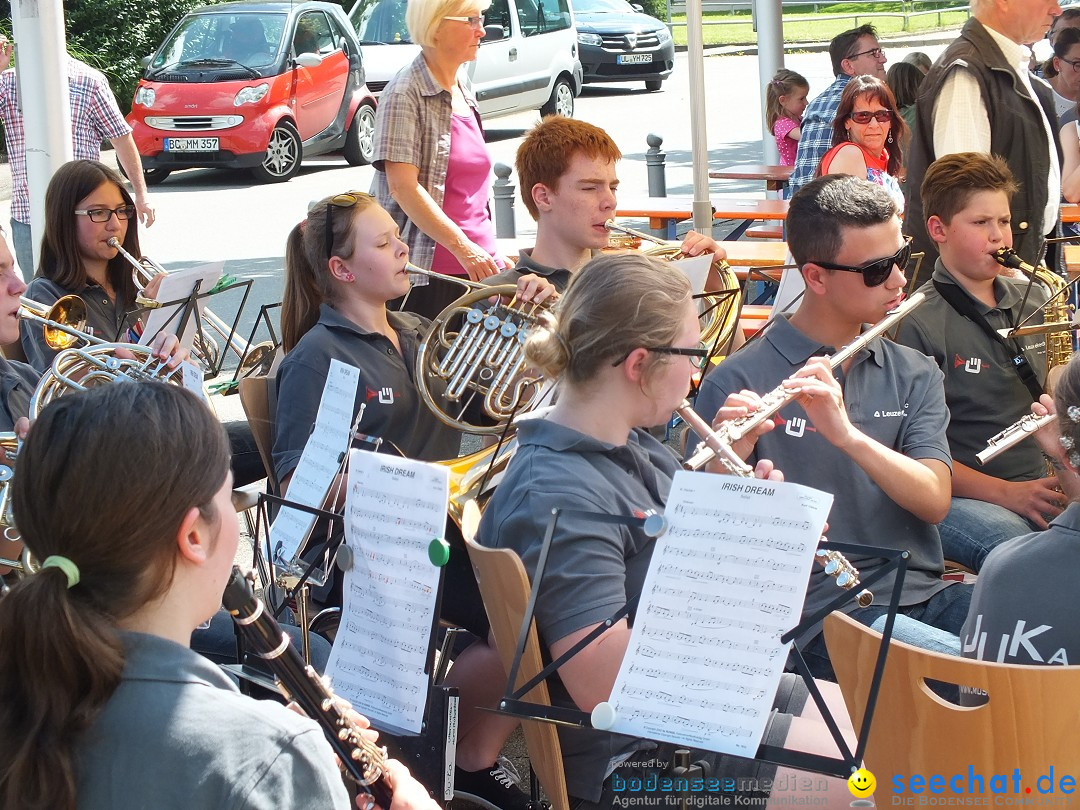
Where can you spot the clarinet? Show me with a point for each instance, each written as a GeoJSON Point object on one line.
{"type": "Point", "coordinates": [364, 761]}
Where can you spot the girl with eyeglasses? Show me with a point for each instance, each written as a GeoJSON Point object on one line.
{"type": "Point", "coordinates": [867, 135]}
{"type": "Point", "coordinates": [86, 204]}
{"type": "Point", "coordinates": [342, 265]}
{"type": "Point", "coordinates": [102, 703]}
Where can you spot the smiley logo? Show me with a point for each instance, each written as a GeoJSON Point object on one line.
{"type": "Point", "coordinates": [861, 783]}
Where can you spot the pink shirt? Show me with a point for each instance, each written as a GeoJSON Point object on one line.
{"type": "Point", "coordinates": [468, 177]}
{"type": "Point", "coordinates": [784, 144]}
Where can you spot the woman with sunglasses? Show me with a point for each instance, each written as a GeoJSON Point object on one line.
{"type": "Point", "coordinates": [86, 205]}
{"type": "Point", "coordinates": [342, 265]}
{"type": "Point", "coordinates": [432, 166]}
{"type": "Point", "coordinates": [867, 133]}
{"type": "Point", "coordinates": [102, 703]}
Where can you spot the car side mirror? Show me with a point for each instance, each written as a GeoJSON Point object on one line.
{"type": "Point", "coordinates": [493, 32]}
{"type": "Point", "coordinates": [308, 60]}
{"type": "Point", "coordinates": [640, 9]}
{"type": "Point", "coordinates": [145, 61]}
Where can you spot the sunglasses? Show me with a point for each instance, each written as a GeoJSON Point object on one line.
{"type": "Point", "coordinates": [697, 355]}
{"type": "Point", "coordinates": [875, 273]}
{"type": "Point", "coordinates": [346, 200]}
{"type": "Point", "coordinates": [105, 214]}
{"type": "Point", "coordinates": [864, 116]}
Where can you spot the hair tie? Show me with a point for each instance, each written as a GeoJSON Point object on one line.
{"type": "Point", "coordinates": [71, 571]}
{"type": "Point", "coordinates": [303, 225]}
{"type": "Point", "coordinates": [563, 343]}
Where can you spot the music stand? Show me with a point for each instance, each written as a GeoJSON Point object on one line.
{"type": "Point", "coordinates": [513, 701]}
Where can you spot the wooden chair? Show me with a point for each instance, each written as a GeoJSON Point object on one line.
{"type": "Point", "coordinates": [504, 586]}
{"type": "Point", "coordinates": [255, 397]}
{"type": "Point", "coordinates": [1030, 721]}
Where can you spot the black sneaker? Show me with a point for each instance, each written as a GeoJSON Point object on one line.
{"type": "Point", "coordinates": [498, 784]}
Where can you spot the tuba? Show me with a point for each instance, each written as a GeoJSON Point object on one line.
{"type": "Point", "coordinates": [476, 348]}
{"type": "Point", "coordinates": [720, 315]}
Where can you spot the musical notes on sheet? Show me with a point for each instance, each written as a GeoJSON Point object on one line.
{"type": "Point", "coordinates": [319, 462]}
{"type": "Point", "coordinates": [726, 580]}
{"type": "Point", "coordinates": [394, 508]}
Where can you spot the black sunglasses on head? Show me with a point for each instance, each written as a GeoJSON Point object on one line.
{"type": "Point", "coordinates": [874, 273]}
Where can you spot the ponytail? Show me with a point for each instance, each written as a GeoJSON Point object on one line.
{"type": "Point", "coordinates": [783, 83]}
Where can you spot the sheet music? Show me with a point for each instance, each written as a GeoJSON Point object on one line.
{"type": "Point", "coordinates": [696, 269]}
{"type": "Point", "coordinates": [176, 286]}
{"type": "Point", "coordinates": [192, 378]}
{"type": "Point", "coordinates": [394, 508]}
{"type": "Point", "coordinates": [726, 580]}
{"type": "Point", "coordinates": [319, 462]}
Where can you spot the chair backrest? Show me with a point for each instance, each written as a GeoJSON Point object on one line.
{"type": "Point", "coordinates": [504, 586]}
{"type": "Point", "coordinates": [1032, 718]}
{"type": "Point", "coordinates": [255, 397]}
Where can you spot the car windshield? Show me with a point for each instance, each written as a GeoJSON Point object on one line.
{"type": "Point", "coordinates": [603, 6]}
{"type": "Point", "coordinates": [250, 39]}
{"type": "Point", "coordinates": [378, 21]}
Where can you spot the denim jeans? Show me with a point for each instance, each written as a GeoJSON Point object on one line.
{"type": "Point", "coordinates": [24, 248]}
{"type": "Point", "coordinates": [972, 529]}
{"type": "Point", "coordinates": [930, 625]}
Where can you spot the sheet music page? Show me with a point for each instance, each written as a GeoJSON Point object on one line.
{"type": "Point", "coordinates": [726, 580]}
{"type": "Point", "coordinates": [394, 508]}
{"type": "Point", "coordinates": [174, 287]}
{"type": "Point", "coordinates": [319, 462]}
{"type": "Point", "coordinates": [696, 269]}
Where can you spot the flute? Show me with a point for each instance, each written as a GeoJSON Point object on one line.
{"type": "Point", "coordinates": [730, 432]}
{"type": "Point", "coordinates": [1013, 434]}
{"type": "Point", "coordinates": [363, 760]}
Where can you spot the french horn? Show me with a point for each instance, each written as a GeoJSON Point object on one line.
{"type": "Point", "coordinates": [476, 348]}
{"type": "Point", "coordinates": [719, 307]}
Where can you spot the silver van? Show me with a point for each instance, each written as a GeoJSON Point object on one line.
{"type": "Point", "coordinates": [527, 60]}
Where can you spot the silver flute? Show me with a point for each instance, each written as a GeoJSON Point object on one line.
{"type": "Point", "coordinates": [1013, 434]}
{"type": "Point", "coordinates": [730, 432]}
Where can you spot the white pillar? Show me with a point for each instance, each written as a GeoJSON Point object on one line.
{"type": "Point", "coordinates": [41, 57]}
{"type": "Point", "coordinates": [695, 52]}
{"type": "Point", "coordinates": [770, 35]}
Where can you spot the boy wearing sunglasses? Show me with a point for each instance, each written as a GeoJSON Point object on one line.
{"type": "Point", "coordinates": [872, 431]}
{"type": "Point", "coordinates": [990, 381]}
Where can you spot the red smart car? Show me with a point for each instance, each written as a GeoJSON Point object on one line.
{"type": "Point", "coordinates": [256, 85]}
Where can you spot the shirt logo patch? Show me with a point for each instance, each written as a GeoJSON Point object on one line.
{"type": "Point", "coordinates": [972, 365]}
{"type": "Point", "coordinates": [795, 427]}
{"type": "Point", "coordinates": [889, 414]}
{"type": "Point", "coordinates": [385, 395]}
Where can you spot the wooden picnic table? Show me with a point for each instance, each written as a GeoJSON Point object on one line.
{"type": "Point", "coordinates": [664, 212]}
{"type": "Point", "coordinates": [776, 177]}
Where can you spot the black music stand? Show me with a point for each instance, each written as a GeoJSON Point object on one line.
{"type": "Point", "coordinates": [263, 318]}
{"type": "Point", "coordinates": [514, 703]}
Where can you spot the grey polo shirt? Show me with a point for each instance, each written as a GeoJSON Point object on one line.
{"type": "Point", "coordinates": [108, 319]}
{"type": "Point", "coordinates": [894, 395]}
{"type": "Point", "coordinates": [394, 409]}
{"type": "Point", "coordinates": [176, 733]}
{"type": "Point", "coordinates": [1022, 609]}
{"type": "Point", "coordinates": [558, 276]}
{"type": "Point", "coordinates": [982, 389]}
{"type": "Point", "coordinates": [17, 384]}
{"type": "Point", "coordinates": [593, 568]}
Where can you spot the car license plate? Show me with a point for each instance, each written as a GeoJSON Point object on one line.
{"type": "Point", "coordinates": [191, 144]}
{"type": "Point", "coordinates": [633, 58]}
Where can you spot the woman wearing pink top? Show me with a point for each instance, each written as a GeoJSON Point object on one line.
{"type": "Point", "coordinates": [867, 133]}
{"type": "Point", "coordinates": [432, 166]}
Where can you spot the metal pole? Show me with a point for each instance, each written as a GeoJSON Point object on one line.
{"type": "Point", "coordinates": [655, 161]}
{"type": "Point", "coordinates": [503, 192]}
{"type": "Point", "coordinates": [770, 33]}
{"type": "Point", "coordinates": [43, 96]}
{"type": "Point", "coordinates": [695, 47]}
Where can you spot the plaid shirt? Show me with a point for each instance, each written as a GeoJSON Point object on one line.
{"type": "Point", "coordinates": [94, 117]}
{"type": "Point", "coordinates": [816, 138]}
{"type": "Point", "coordinates": [412, 125]}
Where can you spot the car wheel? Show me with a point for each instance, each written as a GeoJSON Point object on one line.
{"type": "Point", "coordinates": [155, 176]}
{"type": "Point", "coordinates": [360, 142]}
{"type": "Point", "coordinates": [283, 154]}
{"type": "Point", "coordinates": [561, 101]}
{"type": "Point", "coordinates": [653, 85]}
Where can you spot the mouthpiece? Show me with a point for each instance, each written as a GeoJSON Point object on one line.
{"type": "Point", "coordinates": [113, 242]}
{"type": "Point", "coordinates": [1007, 257]}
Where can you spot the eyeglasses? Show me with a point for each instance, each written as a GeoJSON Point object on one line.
{"type": "Point", "coordinates": [346, 200]}
{"type": "Point", "coordinates": [875, 53]}
{"type": "Point", "coordinates": [697, 355]}
{"type": "Point", "coordinates": [1073, 63]}
{"type": "Point", "coordinates": [864, 116]}
{"type": "Point", "coordinates": [474, 22]}
{"type": "Point", "coordinates": [875, 273]}
{"type": "Point", "coordinates": [105, 214]}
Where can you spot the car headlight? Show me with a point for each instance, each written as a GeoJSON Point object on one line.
{"type": "Point", "coordinates": [250, 95]}
{"type": "Point", "coordinates": [589, 39]}
{"type": "Point", "coordinates": [145, 96]}
{"type": "Point", "coordinates": [664, 36]}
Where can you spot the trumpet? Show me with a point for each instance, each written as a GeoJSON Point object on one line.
{"type": "Point", "coordinates": [144, 269]}
{"type": "Point", "coordinates": [731, 432]}
{"type": "Point", "coordinates": [1012, 435]}
{"type": "Point", "coordinates": [836, 564]}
